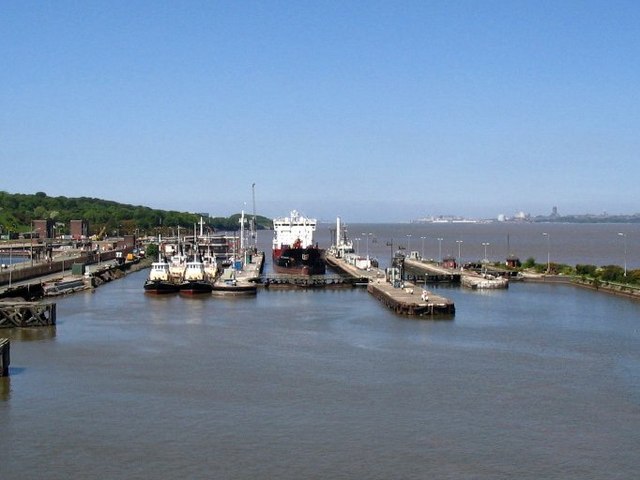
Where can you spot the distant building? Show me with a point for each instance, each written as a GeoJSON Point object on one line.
{"type": "Point", "coordinates": [79, 229]}
{"type": "Point", "coordinates": [449, 262]}
{"type": "Point", "coordinates": [43, 228]}
{"type": "Point", "coordinates": [513, 262]}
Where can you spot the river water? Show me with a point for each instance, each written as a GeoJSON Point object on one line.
{"type": "Point", "coordinates": [538, 381]}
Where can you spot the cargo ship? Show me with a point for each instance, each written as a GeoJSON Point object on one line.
{"type": "Point", "coordinates": [294, 250]}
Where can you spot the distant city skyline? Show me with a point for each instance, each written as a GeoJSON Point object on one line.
{"type": "Point", "coordinates": [371, 111]}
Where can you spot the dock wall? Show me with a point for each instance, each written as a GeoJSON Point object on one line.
{"type": "Point", "coordinates": [23, 273]}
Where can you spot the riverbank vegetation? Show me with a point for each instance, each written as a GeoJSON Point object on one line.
{"type": "Point", "coordinates": [17, 211]}
{"type": "Point", "coordinates": [583, 273]}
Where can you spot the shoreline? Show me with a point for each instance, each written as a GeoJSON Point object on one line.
{"type": "Point", "coordinates": [619, 290]}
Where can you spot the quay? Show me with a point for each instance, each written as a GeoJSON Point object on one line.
{"type": "Point", "coordinates": [404, 298]}
{"type": "Point", "coordinates": [4, 357]}
{"type": "Point", "coordinates": [411, 300]}
{"type": "Point", "coordinates": [468, 278]}
{"type": "Point", "coordinates": [432, 273]}
{"type": "Point", "coordinates": [278, 280]}
{"type": "Point", "coordinates": [64, 276]}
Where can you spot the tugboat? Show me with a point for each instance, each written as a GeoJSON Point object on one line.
{"type": "Point", "coordinates": [294, 251]}
{"type": "Point", "coordinates": [159, 281]}
{"type": "Point", "coordinates": [195, 280]}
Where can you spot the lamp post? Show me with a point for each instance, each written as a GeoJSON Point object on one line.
{"type": "Point", "coordinates": [624, 239]}
{"type": "Point", "coordinates": [31, 242]}
{"type": "Point", "coordinates": [422, 252]}
{"type": "Point", "coordinates": [485, 245]}
{"type": "Point", "coordinates": [409, 243]}
{"type": "Point", "coordinates": [440, 249]}
{"type": "Point", "coordinates": [10, 259]}
{"type": "Point", "coordinates": [459, 242]}
{"type": "Point", "coordinates": [548, 251]}
{"type": "Point", "coordinates": [368, 235]}
{"type": "Point", "coordinates": [357, 246]}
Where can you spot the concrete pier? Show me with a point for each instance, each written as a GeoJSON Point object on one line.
{"type": "Point", "coordinates": [283, 280]}
{"type": "Point", "coordinates": [406, 300]}
{"type": "Point", "coordinates": [431, 272]}
{"type": "Point", "coordinates": [411, 300]}
{"type": "Point", "coordinates": [468, 278]}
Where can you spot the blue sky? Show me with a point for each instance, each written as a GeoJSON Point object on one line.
{"type": "Point", "coordinates": [373, 111]}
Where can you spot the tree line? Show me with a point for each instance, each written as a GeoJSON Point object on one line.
{"type": "Point", "coordinates": [17, 211]}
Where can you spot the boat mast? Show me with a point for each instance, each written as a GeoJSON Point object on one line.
{"type": "Point", "coordinates": [254, 229]}
{"type": "Point", "coordinates": [242, 231]}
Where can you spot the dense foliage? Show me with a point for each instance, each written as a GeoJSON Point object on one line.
{"type": "Point", "coordinates": [18, 210]}
{"type": "Point", "coordinates": [606, 273]}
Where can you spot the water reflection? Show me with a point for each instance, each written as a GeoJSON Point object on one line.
{"type": "Point", "coordinates": [30, 334]}
{"type": "Point", "coordinates": [5, 388]}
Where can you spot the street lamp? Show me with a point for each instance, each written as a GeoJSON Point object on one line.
{"type": "Point", "coordinates": [31, 242]}
{"type": "Point", "coordinates": [357, 246]}
{"type": "Point", "coordinates": [548, 251]}
{"type": "Point", "coordinates": [422, 253]}
{"type": "Point", "coordinates": [485, 245]}
{"type": "Point", "coordinates": [440, 249]}
{"type": "Point", "coordinates": [624, 239]}
{"type": "Point", "coordinates": [390, 244]}
{"type": "Point", "coordinates": [409, 243]}
{"type": "Point", "coordinates": [368, 235]}
{"type": "Point", "coordinates": [459, 242]}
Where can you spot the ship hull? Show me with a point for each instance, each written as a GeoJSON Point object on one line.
{"type": "Point", "coordinates": [234, 290]}
{"type": "Point", "coordinates": [196, 287]}
{"type": "Point", "coordinates": [299, 261]}
{"type": "Point", "coordinates": [157, 287]}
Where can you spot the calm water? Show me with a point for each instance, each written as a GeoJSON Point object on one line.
{"type": "Point", "coordinates": [539, 381]}
{"type": "Point", "coordinates": [597, 244]}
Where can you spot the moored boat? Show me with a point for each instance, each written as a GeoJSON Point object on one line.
{"type": "Point", "coordinates": [159, 281]}
{"type": "Point", "coordinates": [294, 250]}
{"type": "Point", "coordinates": [229, 284]}
{"type": "Point", "coordinates": [195, 280]}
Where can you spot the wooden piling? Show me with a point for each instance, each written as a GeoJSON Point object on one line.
{"type": "Point", "coordinates": [4, 357]}
{"type": "Point", "coordinates": [27, 314]}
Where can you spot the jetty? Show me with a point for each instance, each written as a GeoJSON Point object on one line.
{"type": "Point", "coordinates": [284, 280]}
{"type": "Point", "coordinates": [429, 272]}
{"type": "Point", "coordinates": [411, 299]}
{"type": "Point", "coordinates": [242, 281]}
{"type": "Point", "coordinates": [403, 297]}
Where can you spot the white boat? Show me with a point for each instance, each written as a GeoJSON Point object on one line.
{"type": "Point", "coordinates": [160, 280]}
{"type": "Point", "coordinates": [230, 284]}
{"type": "Point", "coordinates": [195, 279]}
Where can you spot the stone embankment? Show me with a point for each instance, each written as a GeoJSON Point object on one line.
{"type": "Point", "coordinates": [619, 289]}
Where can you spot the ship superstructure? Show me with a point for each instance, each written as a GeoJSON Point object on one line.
{"type": "Point", "coordinates": [294, 250]}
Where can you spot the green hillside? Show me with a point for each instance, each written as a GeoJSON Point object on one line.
{"type": "Point", "coordinates": [18, 210]}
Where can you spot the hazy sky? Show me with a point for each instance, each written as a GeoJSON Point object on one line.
{"type": "Point", "coordinates": [373, 111]}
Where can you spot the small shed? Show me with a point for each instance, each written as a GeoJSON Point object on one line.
{"type": "Point", "coordinates": [449, 262]}
{"type": "Point", "coordinates": [513, 262]}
